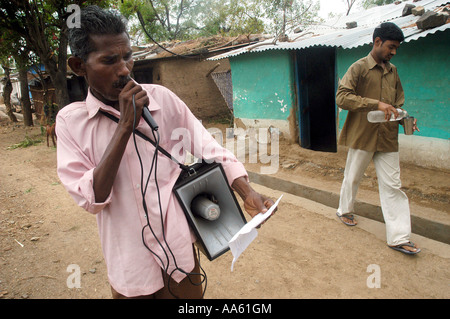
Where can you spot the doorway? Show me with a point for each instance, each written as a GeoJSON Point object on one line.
{"type": "Point", "coordinates": [316, 89]}
{"type": "Point", "coordinates": [143, 73]}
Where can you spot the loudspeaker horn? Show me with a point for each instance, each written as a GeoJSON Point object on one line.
{"type": "Point", "coordinates": [211, 207]}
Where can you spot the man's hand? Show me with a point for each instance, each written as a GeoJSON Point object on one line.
{"type": "Point", "coordinates": [126, 103]}
{"type": "Point", "coordinates": [254, 203]}
{"type": "Point", "coordinates": [388, 110]}
{"type": "Point", "coordinates": [106, 171]}
{"type": "Point", "coordinates": [415, 128]}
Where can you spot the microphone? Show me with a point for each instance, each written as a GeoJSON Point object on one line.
{"type": "Point", "coordinates": [149, 119]}
{"type": "Point", "coordinates": [145, 111]}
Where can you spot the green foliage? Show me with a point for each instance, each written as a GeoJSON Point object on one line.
{"type": "Point", "coordinates": [189, 19]}
{"type": "Point", "coordinates": [25, 143]}
{"type": "Point", "coordinates": [163, 19]}
{"type": "Point", "coordinates": [40, 27]}
{"type": "Point", "coordinates": [234, 17]}
{"type": "Point", "coordinates": [286, 15]}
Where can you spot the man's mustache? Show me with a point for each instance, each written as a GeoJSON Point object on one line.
{"type": "Point", "coordinates": [119, 84]}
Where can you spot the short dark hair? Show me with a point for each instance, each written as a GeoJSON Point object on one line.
{"type": "Point", "coordinates": [94, 21]}
{"type": "Point", "coordinates": [388, 31]}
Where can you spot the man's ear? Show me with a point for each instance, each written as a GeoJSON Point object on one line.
{"type": "Point", "coordinates": [378, 42]}
{"type": "Point", "coordinates": [77, 65]}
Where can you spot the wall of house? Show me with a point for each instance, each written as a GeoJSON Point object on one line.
{"type": "Point", "coordinates": [423, 68]}
{"type": "Point", "coordinates": [187, 79]}
{"type": "Point", "coordinates": [263, 90]}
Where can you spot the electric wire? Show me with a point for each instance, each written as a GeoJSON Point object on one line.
{"type": "Point", "coordinates": [141, 20]}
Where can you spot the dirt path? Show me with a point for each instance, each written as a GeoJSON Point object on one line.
{"type": "Point", "coordinates": [302, 252]}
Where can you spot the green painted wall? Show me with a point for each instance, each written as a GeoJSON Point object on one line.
{"type": "Point", "coordinates": [263, 85]}
{"type": "Point", "coordinates": [264, 82]}
{"type": "Point", "coordinates": [423, 66]}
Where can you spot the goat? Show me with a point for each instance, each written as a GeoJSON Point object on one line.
{"type": "Point", "coordinates": [50, 129]}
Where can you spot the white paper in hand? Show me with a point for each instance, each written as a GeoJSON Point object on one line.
{"type": "Point", "coordinates": [243, 238]}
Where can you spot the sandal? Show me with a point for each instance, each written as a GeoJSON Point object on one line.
{"type": "Point", "coordinates": [348, 216]}
{"type": "Point", "coordinates": [405, 251]}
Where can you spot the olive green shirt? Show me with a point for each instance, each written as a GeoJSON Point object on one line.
{"type": "Point", "coordinates": [362, 87]}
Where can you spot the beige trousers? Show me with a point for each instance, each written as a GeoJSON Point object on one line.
{"type": "Point", "coordinates": [394, 202]}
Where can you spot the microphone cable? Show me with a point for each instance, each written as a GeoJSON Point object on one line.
{"type": "Point", "coordinates": [144, 203]}
{"type": "Point", "coordinates": [143, 192]}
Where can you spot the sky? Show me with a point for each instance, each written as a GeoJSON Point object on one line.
{"type": "Point", "coordinates": [336, 6]}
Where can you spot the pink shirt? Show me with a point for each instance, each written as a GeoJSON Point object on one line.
{"type": "Point", "coordinates": [83, 135]}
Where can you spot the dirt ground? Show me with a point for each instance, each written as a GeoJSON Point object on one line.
{"type": "Point", "coordinates": [303, 251]}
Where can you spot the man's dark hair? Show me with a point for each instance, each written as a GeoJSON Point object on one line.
{"type": "Point", "coordinates": [388, 31]}
{"type": "Point", "coordinates": [94, 21]}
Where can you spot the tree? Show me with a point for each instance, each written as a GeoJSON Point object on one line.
{"type": "Point", "coordinates": [34, 20]}
{"type": "Point", "coordinates": [14, 46]}
{"type": "Point", "coordinates": [22, 63]}
{"type": "Point", "coordinates": [42, 23]}
{"type": "Point", "coordinates": [231, 18]}
{"type": "Point", "coordinates": [163, 19]}
{"type": "Point", "coordinates": [6, 61]}
{"type": "Point", "coordinates": [188, 19]}
{"type": "Point", "coordinates": [183, 20]}
{"type": "Point", "coordinates": [289, 14]}
{"type": "Point", "coordinates": [7, 89]}
{"type": "Point", "coordinates": [350, 4]}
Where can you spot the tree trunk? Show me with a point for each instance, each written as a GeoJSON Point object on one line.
{"type": "Point", "coordinates": [61, 90]}
{"type": "Point", "coordinates": [349, 6]}
{"type": "Point", "coordinates": [7, 90]}
{"type": "Point", "coordinates": [25, 97]}
{"type": "Point", "coordinates": [58, 77]}
{"type": "Point", "coordinates": [54, 62]}
{"type": "Point", "coordinates": [60, 81]}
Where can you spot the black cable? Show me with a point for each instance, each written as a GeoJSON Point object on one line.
{"type": "Point", "coordinates": [176, 268]}
{"type": "Point", "coordinates": [144, 203]}
{"type": "Point", "coordinates": [143, 192]}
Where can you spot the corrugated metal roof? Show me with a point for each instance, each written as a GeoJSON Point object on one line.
{"type": "Point", "coordinates": [195, 47]}
{"type": "Point", "coordinates": [335, 34]}
{"type": "Point", "coordinates": [379, 14]}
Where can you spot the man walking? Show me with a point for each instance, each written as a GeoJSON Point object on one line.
{"type": "Point", "coordinates": [372, 83]}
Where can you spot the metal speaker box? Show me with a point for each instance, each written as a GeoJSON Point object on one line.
{"type": "Point", "coordinates": [209, 182]}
